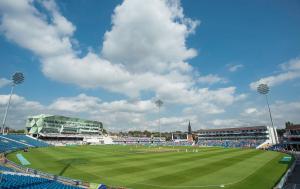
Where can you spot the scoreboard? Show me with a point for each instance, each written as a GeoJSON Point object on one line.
{"type": "Point", "coordinates": [179, 136]}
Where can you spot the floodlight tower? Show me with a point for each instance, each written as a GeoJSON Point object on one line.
{"type": "Point", "coordinates": [159, 103]}
{"type": "Point", "coordinates": [264, 90]}
{"type": "Point", "coordinates": [17, 79]}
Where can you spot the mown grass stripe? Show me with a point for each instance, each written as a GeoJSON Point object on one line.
{"type": "Point", "coordinates": [268, 175]}
{"type": "Point", "coordinates": [130, 177]}
{"type": "Point", "coordinates": [62, 154]}
{"type": "Point", "coordinates": [132, 165]}
{"type": "Point", "coordinates": [93, 163]}
{"type": "Point", "coordinates": [155, 171]}
{"type": "Point", "coordinates": [184, 176]}
{"type": "Point", "coordinates": [120, 161]}
{"type": "Point", "coordinates": [184, 158]}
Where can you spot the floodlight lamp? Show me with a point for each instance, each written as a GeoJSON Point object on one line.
{"type": "Point", "coordinates": [263, 89]}
{"type": "Point", "coordinates": [18, 78]}
{"type": "Point", "coordinates": [159, 103]}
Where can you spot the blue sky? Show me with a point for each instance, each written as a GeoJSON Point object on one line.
{"type": "Point", "coordinates": [110, 60]}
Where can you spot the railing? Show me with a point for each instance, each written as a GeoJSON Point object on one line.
{"type": "Point", "coordinates": [61, 179]}
{"type": "Point", "coordinates": [282, 182]}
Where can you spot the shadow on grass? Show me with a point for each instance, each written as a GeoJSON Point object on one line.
{"type": "Point", "coordinates": [69, 162]}
{"type": "Point", "coordinates": [64, 169]}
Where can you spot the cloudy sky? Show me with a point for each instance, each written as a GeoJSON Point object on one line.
{"type": "Point", "coordinates": [110, 60]}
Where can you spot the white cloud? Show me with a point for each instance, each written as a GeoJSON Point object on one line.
{"type": "Point", "coordinates": [42, 38]}
{"type": "Point", "coordinates": [4, 82]}
{"type": "Point", "coordinates": [124, 114]}
{"type": "Point", "coordinates": [221, 96]}
{"type": "Point", "coordinates": [115, 115]}
{"type": "Point", "coordinates": [139, 54]}
{"type": "Point", "coordinates": [19, 109]}
{"type": "Point", "coordinates": [293, 64]}
{"type": "Point", "coordinates": [118, 114]}
{"type": "Point", "coordinates": [141, 106]}
{"type": "Point", "coordinates": [51, 41]}
{"type": "Point", "coordinates": [80, 103]}
{"type": "Point", "coordinates": [222, 123]}
{"type": "Point", "coordinates": [211, 79]}
{"type": "Point", "coordinates": [149, 35]}
{"type": "Point", "coordinates": [234, 68]}
{"type": "Point", "coordinates": [172, 123]}
{"type": "Point", "coordinates": [250, 110]}
{"type": "Point", "coordinates": [136, 38]}
{"type": "Point", "coordinates": [19, 102]}
{"type": "Point", "coordinates": [142, 114]}
{"type": "Point", "coordinates": [289, 71]}
{"type": "Point", "coordinates": [282, 112]}
{"type": "Point", "coordinates": [94, 105]}
{"type": "Point", "coordinates": [204, 108]}
{"type": "Point", "coordinates": [91, 104]}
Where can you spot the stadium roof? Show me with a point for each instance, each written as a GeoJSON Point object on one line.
{"type": "Point", "coordinates": [42, 116]}
{"type": "Point", "coordinates": [232, 129]}
{"type": "Point", "coordinates": [293, 127]}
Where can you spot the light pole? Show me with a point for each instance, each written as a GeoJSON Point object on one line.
{"type": "Point", "coordinates": [159, 103]}
{"type": "Point", "coordinates": [264, 89]}
{"type": "Point", "coordinates": [17, 78]}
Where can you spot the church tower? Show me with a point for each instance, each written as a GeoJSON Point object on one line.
{"type": "Point", "coordinates": [189, 128]}
{"type": "Point", "coordinates": [189, 133]}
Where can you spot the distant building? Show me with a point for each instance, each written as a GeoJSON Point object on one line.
{"type": "Point", "coordinates": [138, 140]}
{"type": "Point", "coordinates": [179, 136]}
{"type": "Point", "coordinates": [291, 137]}
{"type": "Point", "coordinates": [189, 134]}
{"type": "Point", "coordinates": [189, 128]}
{"type": "Point", "coordinates": [62, 130]}
{"type": "Point", "coordinates": [56, 124]}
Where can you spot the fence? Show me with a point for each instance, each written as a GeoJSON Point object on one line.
{"type": "Point", "coordinates": [289, 172]}
{"type": "Point", "coordinates": [61, 179]}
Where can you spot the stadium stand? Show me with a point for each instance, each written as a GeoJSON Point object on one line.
{"type": "Point", "coordinates": [18, 142]}
{"type": "Point", "coordinates": [138, 140]}
{"type": "Point", "coordinates": [178, 143]}
{"type": "Point", "coordinates": [9, 181]}
{"type": "Point", "coordinates": [7, 169]}
{"type": "Point", "coordinates": [252, 137]}
{"type": "Point", "coordinates": [291, 138]}
{"type": "Point", "coordinates": [12, 179]}
{"type": "Point", "coordinates": [277, 147]}
{"type": "Point", "coordinates": [8, 145]}
{"type": "Point", "coordinates": [28, 140]}
{"type": "Point", "coordinates": [232, 143]}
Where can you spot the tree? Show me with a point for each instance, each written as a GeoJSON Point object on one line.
{"type": "Point", "coordinates": [288, 124]}
{"type": "Point", "coordinates": [104, 131]}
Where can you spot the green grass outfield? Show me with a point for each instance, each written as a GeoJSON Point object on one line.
{"type": "Point", "coordinates": [141, 167]}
